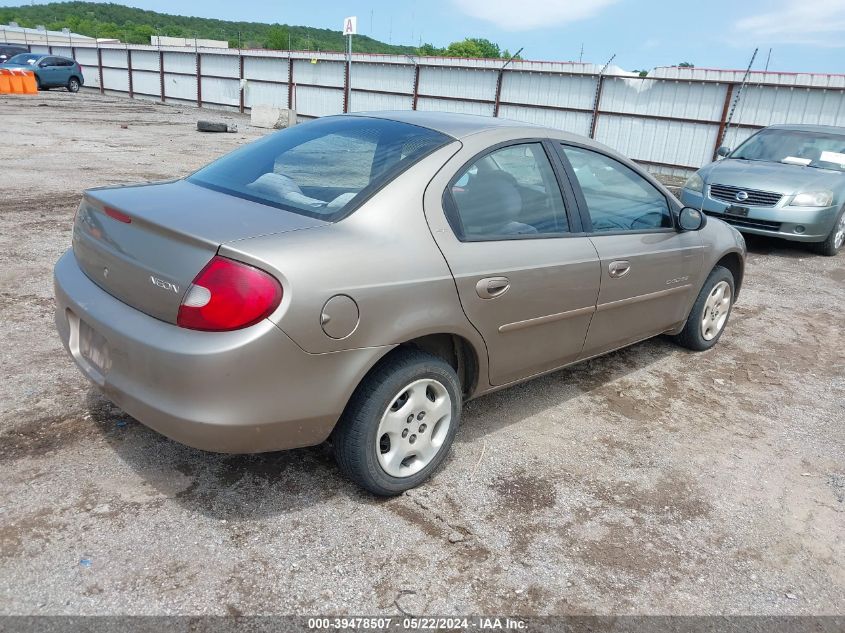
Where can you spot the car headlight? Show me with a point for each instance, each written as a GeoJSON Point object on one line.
{"type": "Point", "coordinates": [812, 199]}
{"type": "Point", "coordinates": [694, 183]}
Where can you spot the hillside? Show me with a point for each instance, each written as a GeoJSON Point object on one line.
{"type": "Point", "coordinates": [135, 26]}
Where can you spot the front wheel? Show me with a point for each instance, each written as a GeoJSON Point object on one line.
{"type": "Point", "coordinates": [836, 239]}
{"type": "Point", "coordinates": [710, 312]}
{"type": "Point", "coordinates": [73, 85]}
{"type": "Point", "coordinates": [399, 424]}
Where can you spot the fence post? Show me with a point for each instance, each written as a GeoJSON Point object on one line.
{"type": "Point", "coordinates": [346, 87]}
{"type": "Point", "coordinates": [161, 73]}
{"type": "Point", "coordinates": [595, 120]}
{"type": "Point", "coordinates": [199, 80]}
{"type": "Point", "coordinates": [723, 120]}
{"type": "Point", "coordinates": [499, 80]}
{"type": "Point", "coordinates": [290, 83]}
{"type": "Point", "coordinates": [416, 86]}
{"type": "Point", "coordinates": [241, 81]}
{"type": "Point", "coordinates": [129, 72]}
{"type": "Point", "coordinates": [100, 68]}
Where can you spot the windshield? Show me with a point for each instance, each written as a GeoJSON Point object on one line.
{"type": "Point", "coordinates": [324, 168]}
{"type": "Point", "coordinates": [23, 58]}
{"type": "Point", "coordinates": [794, 147]}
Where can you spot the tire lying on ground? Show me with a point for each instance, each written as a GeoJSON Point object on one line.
{"type": "Point", "coordinates": [215, 126]}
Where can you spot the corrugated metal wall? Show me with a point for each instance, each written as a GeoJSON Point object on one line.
{"type": "Point", "coordinates": [671, 121]}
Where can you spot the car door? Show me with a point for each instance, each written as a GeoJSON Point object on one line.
{"type": "Point", "coordinates": [64, 69]}
{"type": "Point", "coordinates": [526, 276]}
{"type": "Point", "coordinates": [48, 72]}
{"type": "Point", "coordinates": [647, 264]}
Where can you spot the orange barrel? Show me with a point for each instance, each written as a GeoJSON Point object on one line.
{"type": "Point", "coordinates": [30, 87]}
{"type": "Point", "coordinates": [16, 82]}
{"type": "Point", "coordinates": [5, 86]}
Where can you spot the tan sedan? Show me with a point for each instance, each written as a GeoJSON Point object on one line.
{"type": "Point", "coordinates": [357, 278]}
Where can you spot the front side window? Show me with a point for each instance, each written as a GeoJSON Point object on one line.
{"type": "Point", "coordinates": [323, 168]}
{"type": "Point", "coordinates": [509, 192]}
{"type": "Point", "coordinates": [617, 197]}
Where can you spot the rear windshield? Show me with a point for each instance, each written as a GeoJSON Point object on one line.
{"type": "Point", "coordinates": [323, 169]}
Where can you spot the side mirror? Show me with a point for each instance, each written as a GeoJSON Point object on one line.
{"type": "Point", "coordinates": [42, 65]}
{"type": "Point", "coordinates": [691, 219]}
{"type": "Point", "coordinates": [723, 151]}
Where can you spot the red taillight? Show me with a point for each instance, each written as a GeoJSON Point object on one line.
{"type": "Point", "coordinates": [228, 295]}
{"type": "Point", "coordinates": [117, 215]}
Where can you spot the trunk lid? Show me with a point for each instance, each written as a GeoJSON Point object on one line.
{"type": "Point", "coordinates": [173, 230]}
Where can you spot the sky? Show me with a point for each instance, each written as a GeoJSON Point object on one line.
{"type": "Point", "coordinates": [803, 35]}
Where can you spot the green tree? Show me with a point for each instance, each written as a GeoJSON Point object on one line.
{"type": "Point", "coordinates": [277, 38]}
{"type": "Point", "coordinates": [686, 65]}
{"type": "Point", "coordinates": [429, 50]}
{"type": "Point", "coordinates": [473, 47]}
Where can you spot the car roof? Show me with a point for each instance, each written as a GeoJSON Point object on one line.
{"type": "Point", "coordinates": [450, 123]}
{"type": "Point", "coordinates": [824, 129]}
{"type": "Point", "coordinates": [459, 126]}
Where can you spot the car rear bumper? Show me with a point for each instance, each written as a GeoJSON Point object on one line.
{"type": "Point", "coordinates": [802, 224]}
{"type": "Point", "coordinates": [247, 391]}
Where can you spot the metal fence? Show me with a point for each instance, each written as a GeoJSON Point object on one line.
{"type": "Point", "coordinates": [672, 121]}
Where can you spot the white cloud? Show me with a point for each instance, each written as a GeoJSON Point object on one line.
{"type": "Point", "coordinates": [523, 15]}
{"type": "Point", "coordinates": [813, 22]}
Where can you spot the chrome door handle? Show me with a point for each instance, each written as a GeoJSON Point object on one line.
{"type": "Point", "coordinates": [619, 268]}
{"type": "Point", "coordinates": [492, 287]}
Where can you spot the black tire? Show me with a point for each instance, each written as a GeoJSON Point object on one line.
{"type": "Point", "coordinates": [829, 248]}
{"type": "Point", "coordinates": [73, 84]}
{"type": "Point", "coordinates": [355, 436]}
{"type": "Point", "coordinates": [212, 126]}
{"type": "Point", "coordinates": [692, 337]}
{"type": "Point", "coordinates": [38, 85]}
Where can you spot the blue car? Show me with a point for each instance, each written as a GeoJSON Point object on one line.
{"type": "Point", "coordinates": [51, 71]}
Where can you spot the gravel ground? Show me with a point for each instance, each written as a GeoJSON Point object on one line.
{"type": "Point", "coordinates": [652, 480]}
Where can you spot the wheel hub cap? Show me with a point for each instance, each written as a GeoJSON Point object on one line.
{"type": "Point", "coordinates": [413, 428]}
{"type": "Point", "coordinates": [839, 238]}
{"type": "Point", "coordinates": [716, 310]}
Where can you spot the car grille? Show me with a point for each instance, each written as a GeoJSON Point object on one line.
{"type": "Point", "coordinates": [756, 198]}
{"type": "Point", "coordinates": [748, 223]}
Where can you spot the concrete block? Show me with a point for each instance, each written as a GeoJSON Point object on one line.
{"type": "Point", "coordinates": [267, 116]}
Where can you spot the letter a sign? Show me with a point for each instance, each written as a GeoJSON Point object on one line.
{"type": "Point", "coordinates": [350, 26]}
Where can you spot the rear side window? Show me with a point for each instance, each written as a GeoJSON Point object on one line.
{"type": "Point", "coordinates": [510, 192]}
{"type": "Point", "coordinates": [324, 168]}
{"type": "Point", "coordinates": [618, 198]}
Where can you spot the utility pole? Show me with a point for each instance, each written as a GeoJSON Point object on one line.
{"type": "Point", "coordinates": [350, 28]}
{"type": "Point", "coordinates": [581, 56]}
{"type": "Point", "coordinates": [768, 59]}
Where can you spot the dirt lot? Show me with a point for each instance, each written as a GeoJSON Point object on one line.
{"type": "Point", "coordinates": [653, 480]}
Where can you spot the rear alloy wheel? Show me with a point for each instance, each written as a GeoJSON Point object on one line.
{"type": "Point", "coordinates": [400, 423]}
{"type": "Point", "coordinates": [836, 239]}
{"type": "Point", "coordinates": [710, 312]}
{"type": "Point", "coordinates": [73, 85]}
